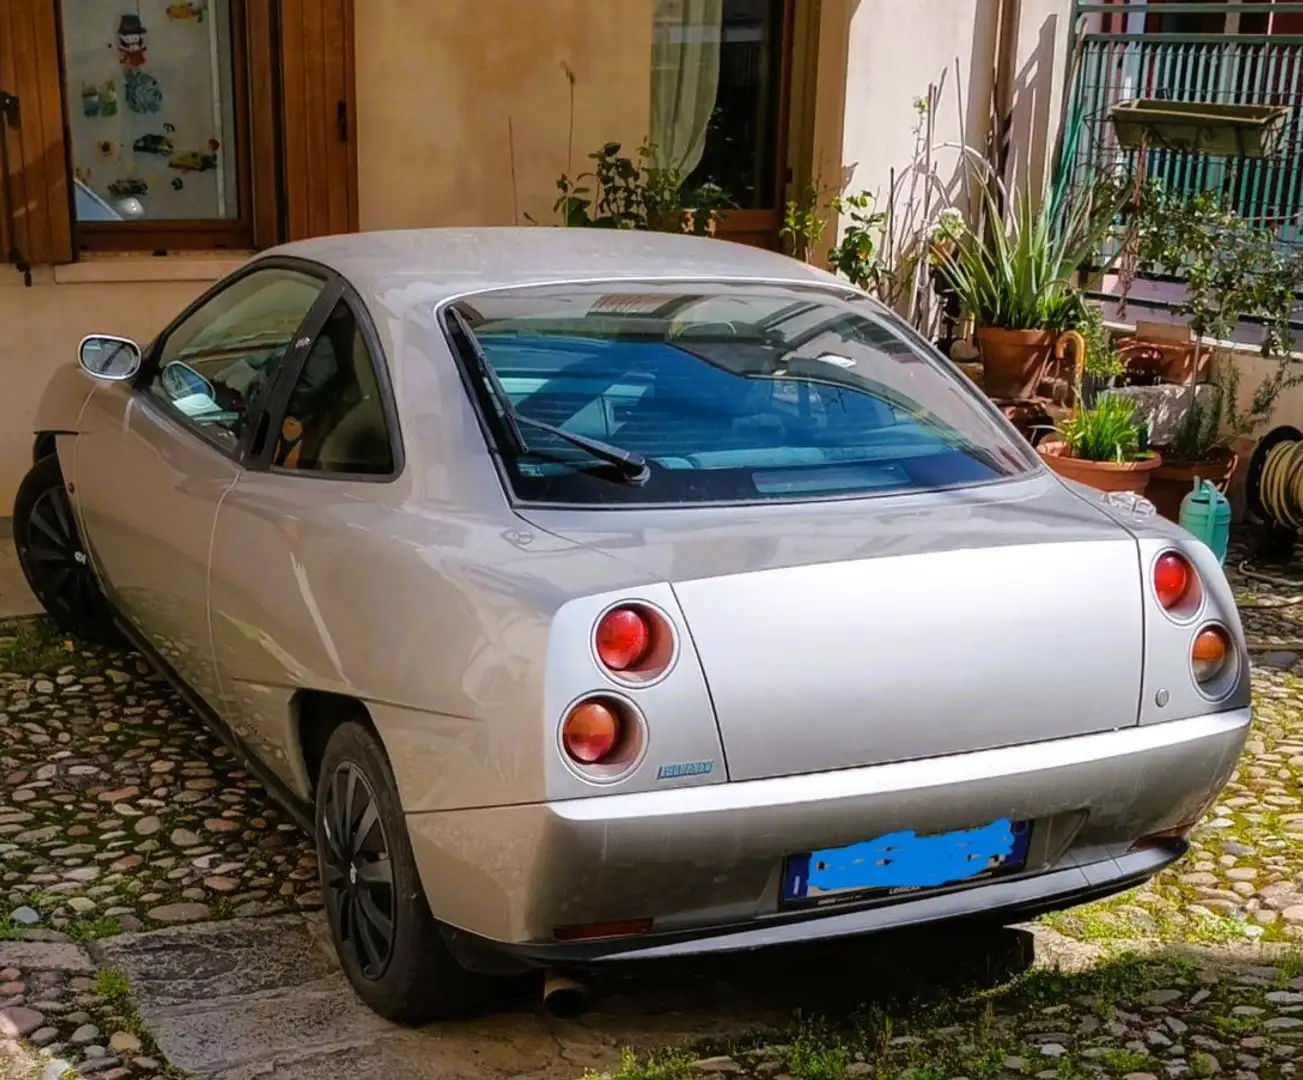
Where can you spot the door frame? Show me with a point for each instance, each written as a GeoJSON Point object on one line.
{"type": "Point", "coordinates": [760, 228]}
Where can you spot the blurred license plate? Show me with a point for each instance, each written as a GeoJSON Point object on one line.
{"type": "Point", "coordinates": [904, 862]}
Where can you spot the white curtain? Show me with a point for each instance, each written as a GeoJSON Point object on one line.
{"type": "Point", "coordinates": [685, 79]}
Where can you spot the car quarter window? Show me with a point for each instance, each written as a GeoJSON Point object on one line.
{"type": "Point", "coordinates": [334, 420]}
{"type": "Point", "coordinates": [215, 364]}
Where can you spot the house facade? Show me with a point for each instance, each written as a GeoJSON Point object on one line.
{"type": "Point", "coordinates": [150, 146]}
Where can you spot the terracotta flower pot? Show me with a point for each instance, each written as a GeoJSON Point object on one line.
{"type": "Point", "coordinates": [1013, 361]}
{"type": "Point", "coordinates": [1173, 480]}
{"type": "Point", "coordinates": [1101, 475]}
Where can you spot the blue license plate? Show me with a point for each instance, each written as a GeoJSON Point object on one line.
{"type": "Point", "coordinates": [904, 862]}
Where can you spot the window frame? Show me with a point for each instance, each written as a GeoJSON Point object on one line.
{"type": "Point", "coordinates": [496, 434]}
{"type": "Point", "coordinates": [278, 398]}
{"type": "Point", "coordinates": [185, 234]}
{"type": "Point", "coordinates": [312, 322]}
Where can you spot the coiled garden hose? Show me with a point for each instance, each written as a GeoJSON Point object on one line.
{"type": "Point", "coordinates": [1281, 486]}
{"type": "Point", "coordinates": [1274, 484]}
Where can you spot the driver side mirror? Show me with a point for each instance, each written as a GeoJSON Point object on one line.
{"type": "Point", "coordinates": [107, 357]}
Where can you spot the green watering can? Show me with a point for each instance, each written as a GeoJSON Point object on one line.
{"type": "Point", "coordinates": [1206, 514]}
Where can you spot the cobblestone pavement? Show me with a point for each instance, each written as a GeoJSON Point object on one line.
{"type": "Point", "coordinates": [120, 813]}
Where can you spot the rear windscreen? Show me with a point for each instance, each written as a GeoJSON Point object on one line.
{"type": "Point", "coordinates": [732, 393]}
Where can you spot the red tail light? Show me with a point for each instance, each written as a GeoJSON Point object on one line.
{"type": "Point", "coordinates": [591, 732]}
{"type": "Point", "coordinates": [1175, 583]}
{"type": "Point", "coordinates": [594, 931]}
{"type": "Point", "coordinates": [624, 638]}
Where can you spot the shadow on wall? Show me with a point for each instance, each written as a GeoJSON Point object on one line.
{"type": "Point", "coordinates": [1032, 116]}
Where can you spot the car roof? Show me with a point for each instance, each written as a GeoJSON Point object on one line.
{"type": "Point", "coordinates": [422, 266]}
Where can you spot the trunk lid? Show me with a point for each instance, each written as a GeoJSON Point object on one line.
{"type": "Point", "coordinates": [853, 634]}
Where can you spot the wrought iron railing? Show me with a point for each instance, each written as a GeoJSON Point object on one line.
{"type": "Point", "coordinates": [1115, 65]}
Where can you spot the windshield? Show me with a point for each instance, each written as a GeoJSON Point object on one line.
{"type": "Point", "coordinates": [731, 393]}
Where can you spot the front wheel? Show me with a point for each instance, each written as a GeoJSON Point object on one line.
{"type": "Point", "coordinates": [54, 559]}
{"type": "Point", "coordinates": [388, 942]}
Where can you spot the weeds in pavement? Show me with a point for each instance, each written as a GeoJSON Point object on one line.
{"type": "Point", "coordinates": [33, 647]}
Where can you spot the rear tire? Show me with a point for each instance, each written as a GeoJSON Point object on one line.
{"type": "Point", "coordinates": [54, 559]}
{"type": "Point", "coordinates": [387, 940]}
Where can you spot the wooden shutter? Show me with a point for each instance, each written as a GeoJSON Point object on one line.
{"type": "Point", "coordinates": [36, 217]}
{"type": "Point", "coordinates": [317, 117]}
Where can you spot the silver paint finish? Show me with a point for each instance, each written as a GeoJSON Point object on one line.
{"type": "Point", "coordinates": [1010, 621]}
{"type": "Point", "coordinates": [713, 855]}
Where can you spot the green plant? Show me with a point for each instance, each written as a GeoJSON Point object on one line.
{"type": "Point", "coordinates": [858, 255]}
{"type": "Point", "coordinates": [1197, 432]}
{"type": "Point", "coordinates": [620, 192]}
{"type": "Point", "coordinates": [1020, 278]}
{"type": "Point", "coordinates": [1108, 431]}
{"type": "Point", "coordinates": [803, 222]}
{"type": "Point", "coordinates": [1233, 269]}
{"type": "Point", "coordinates": [1102, 360]}
{"type": "Point", "coordinates": [34, 647]}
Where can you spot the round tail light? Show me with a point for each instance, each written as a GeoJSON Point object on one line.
{"type": "Point", "coordinates": [1175, 583]}
{"type": "Point", "coordinates": [590, 732]}
{"type": "Point", "coordinates": [624, 639]}
{"type": "Point", "coordinates": [1211, 655]}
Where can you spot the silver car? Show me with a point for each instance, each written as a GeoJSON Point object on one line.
{"type": "Point", "coordinates": [597, 596]}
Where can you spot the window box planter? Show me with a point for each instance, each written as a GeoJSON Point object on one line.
{"type": "Point", "coordinates": [1223, 129]}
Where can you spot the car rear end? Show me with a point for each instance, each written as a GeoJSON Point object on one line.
{"type": "Point", "coordinates": [907, 676]}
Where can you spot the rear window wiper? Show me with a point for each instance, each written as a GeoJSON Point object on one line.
{"type": "Point", "coordinates": [632, 466]}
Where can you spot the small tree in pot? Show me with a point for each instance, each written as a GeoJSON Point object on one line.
{"type": "Point", "coordinates": [1233, 269]}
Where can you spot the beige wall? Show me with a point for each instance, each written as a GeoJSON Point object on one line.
{"type": "Point", "coordinates": [950, 43]}
{"type": "Point", "coordinates": [437, 84]}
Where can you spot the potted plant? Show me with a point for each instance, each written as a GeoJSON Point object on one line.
{"type": "Point", "coordinates": [1102, 446]}
{"type": "Point", "coordinates": [627, 193]}
{"type": "Point", "coordinates": [1017, 285]}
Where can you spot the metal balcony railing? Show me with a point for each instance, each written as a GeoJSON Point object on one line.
{"type": "Point", "coordinates": [1144, 59]}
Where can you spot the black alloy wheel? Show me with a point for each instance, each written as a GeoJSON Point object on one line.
{"type": "Point", "coordinates": [358, 873]}
{"type": "Point", "coordinates": [390, 945]}
{"type": "Point", "coordinates": [54, 559]}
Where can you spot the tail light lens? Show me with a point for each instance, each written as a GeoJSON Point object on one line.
{"type": "Point", "coordinates": [591, 732]}
{"type": "Point", "coordinates": [634, 643]}
{"type": "Point", "coordinates": [1211, 655]}
{"type": "Point", "coordinates": [1176, 584]}
{"type": "Point", "coordinates": [624, 638]}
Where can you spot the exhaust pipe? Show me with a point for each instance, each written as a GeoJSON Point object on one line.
{"type": "Point", "coordinates": [565, 995]}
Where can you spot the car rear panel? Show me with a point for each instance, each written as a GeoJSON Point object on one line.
{"type": "Point", "coordinates": [839, 635]}
{"type": "Point", "coordinates": [914, 656]}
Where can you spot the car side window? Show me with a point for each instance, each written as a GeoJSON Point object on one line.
{"type": "Point", "coordinates": [335, 419]}
{"type": "Point", "coordinates": [217, 362]}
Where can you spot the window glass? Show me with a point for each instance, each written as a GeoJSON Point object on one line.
{"type": "Point", "coordinates": [335, 419]}
{"type": "Point", "coordinates": [732, 392]}
{"type": "Point", "coordinates": [716, 70]}
{"type": "Point", "coordinates": [216, 364]}
{"type": "Point", "coordinates": [151, 109]}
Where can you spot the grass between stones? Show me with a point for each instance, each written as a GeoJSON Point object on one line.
{"type": "Point", "coordinates": [1164, 1014]}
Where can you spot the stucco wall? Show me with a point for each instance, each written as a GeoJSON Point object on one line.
{"type": "Point", "coordinates": [950, 43]}
{"type": "Point", "coordinates": [437, 84]}
{"type": "Point", "coordinates": [953, 44]}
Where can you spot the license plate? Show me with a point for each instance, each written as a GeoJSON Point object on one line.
{"type": "Point", "coordinates": [904, 862]}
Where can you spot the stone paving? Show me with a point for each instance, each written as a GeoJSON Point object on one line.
{"type": "Point", "coordinates": [121, 816]}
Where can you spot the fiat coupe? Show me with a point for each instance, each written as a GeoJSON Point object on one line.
{"type": "Point", "coordinates": [599, 596]}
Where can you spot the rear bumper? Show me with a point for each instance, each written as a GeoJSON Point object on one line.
{"type": "Point", "coordinates": [996, 903]}
{"type": "Point", "coordinates": [705, 863]}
